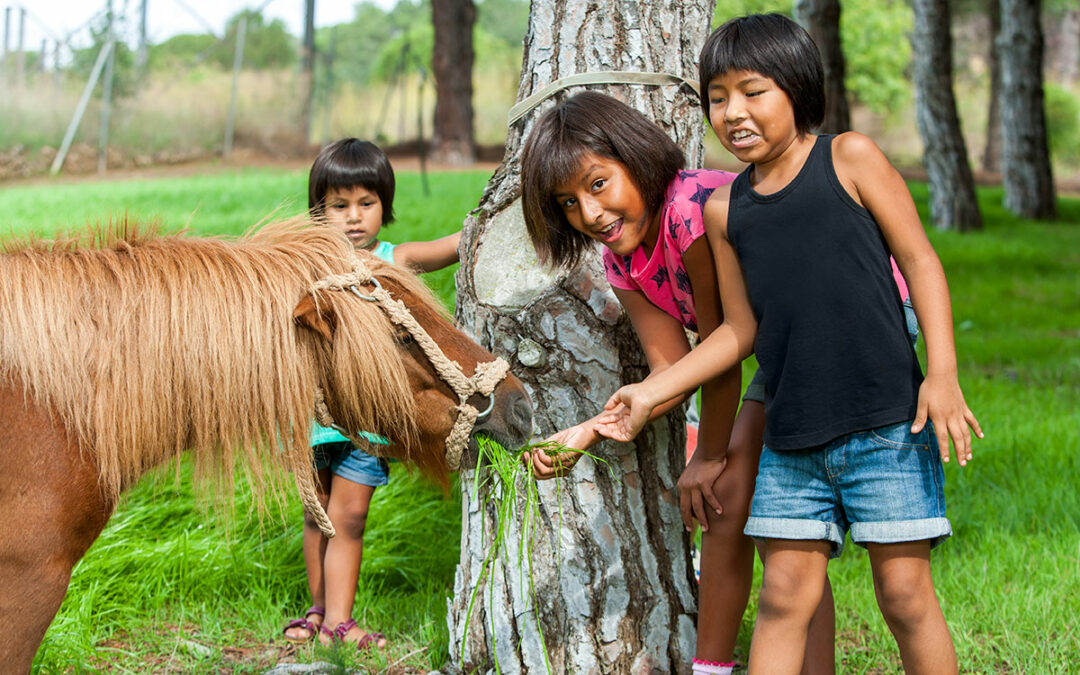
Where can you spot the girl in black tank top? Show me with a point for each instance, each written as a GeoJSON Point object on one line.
{"type": "Point", "coordinates": [811, 224]}
{"type": "Point", "coordinates": [831, 338]}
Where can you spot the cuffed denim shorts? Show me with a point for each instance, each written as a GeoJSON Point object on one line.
{"type": "Point", "coordinates": [755, 391]}
{"type": "Point", "coordinates": [883, 486]}
{"type": "Point", "coordinates": [351, 463]}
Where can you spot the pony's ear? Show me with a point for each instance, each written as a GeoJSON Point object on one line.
{"type": "Point", "coordinates": [308, 315]}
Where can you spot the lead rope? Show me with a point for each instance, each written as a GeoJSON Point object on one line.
{"type": "Point", "coordinates": [484, 380]}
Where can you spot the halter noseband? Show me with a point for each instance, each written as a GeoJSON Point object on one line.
{"type": "Point", "coordinates": [488, 374]}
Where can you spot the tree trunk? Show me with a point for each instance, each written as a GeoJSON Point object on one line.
{"type": "Point", "coordinates": [992, 154]}
{"type": "Point", "coordinates": [307, 71]}
{"type": "Point", "coordinates": [1029, 184]}
{"type": "Point", "coordinates": [611, 585]}
{"type": "Point", "coordinates": [452, 62]}
{"type": "Point", "coordinates": [1063, 43]}
{"type": "Point", "coordinates": [821, 18]}
{"type": "Point", "coordinates": [952, 188]}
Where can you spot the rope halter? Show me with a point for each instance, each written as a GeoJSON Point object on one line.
{"type": "Point", "coordinates": [488, 374]}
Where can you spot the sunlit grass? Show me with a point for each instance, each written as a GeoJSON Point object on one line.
{"type": "Point", "coordinates": [165, 579]}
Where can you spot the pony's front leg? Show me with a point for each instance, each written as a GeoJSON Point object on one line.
{"type": "Point", "coordinates": [53, 509]}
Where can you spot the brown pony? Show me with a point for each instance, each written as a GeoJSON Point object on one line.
{"type": "Point", "coordinates": [120, 350]}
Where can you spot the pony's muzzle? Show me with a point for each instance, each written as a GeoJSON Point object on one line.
{"type": "Point", "coordinates": [511, 421]}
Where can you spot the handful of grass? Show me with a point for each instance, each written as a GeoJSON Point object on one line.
{"type": "Point", "coordinates": [500, 481]}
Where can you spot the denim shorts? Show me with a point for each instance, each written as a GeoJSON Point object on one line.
{"type": "Point", "coordinates": [885, 486]}
{"type": "Point", "coordinates": [755, 391]}
{"type": "Point", "coordinates": [351, 463]}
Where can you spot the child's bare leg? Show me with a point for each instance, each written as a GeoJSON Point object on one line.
{"type": "Point", "coordinates": [314, 545]}
{"type": "Point", "coordinates": [348, 509]}
{"type": "Point", "coordinates": [727, 555]}
{"type": "Point", "coordinates": [905, 594]}
{"type": "Point", "coordinates": [821, 637]}
{"type": "Point", "coordinates": [314, 542]}
{"type": "Point", "coordinates": [791, 592]}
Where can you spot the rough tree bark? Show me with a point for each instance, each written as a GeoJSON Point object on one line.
{"type": "Point", "coordinates": [611, 576]}
{"type": "Point", "coordinates": [952, 188]}
{"type": "Point", "coordinates": [452, 63]}
{"type": "Point", "coordinates": [821, 18]}
{"type": "Point", "coordinates": [992, 154]}
{"type": "Point", "coordinates": [1025, 157]}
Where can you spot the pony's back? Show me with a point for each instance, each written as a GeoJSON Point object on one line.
{"type": "Point", "coordinates": [148, 344]}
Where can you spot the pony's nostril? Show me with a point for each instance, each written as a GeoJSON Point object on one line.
{"type": "Point", "coordinates": [521, 414]}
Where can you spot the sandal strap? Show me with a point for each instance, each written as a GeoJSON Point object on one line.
{"type": "Point", "coordinates": [369, 639]}
{"type": "Point", "coordinates": [326, 631]}
{"type": "Point", "coordinates": [343, 628]}
{"type": "Point", "coordinates": [316, 610]}
{"type": "Point", "coordinates": [300, 623]}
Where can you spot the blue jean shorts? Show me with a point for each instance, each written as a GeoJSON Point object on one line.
{"type": "Point", "coordinates": [884, 486]}
{"type": "Point", "coordinates": [351, 463]}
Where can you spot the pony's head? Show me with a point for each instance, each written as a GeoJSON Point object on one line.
{"type": "Point", "coordinates": [430, 380]}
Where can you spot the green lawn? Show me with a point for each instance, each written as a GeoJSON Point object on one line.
{"type": "Point", "coordinates": [166, 585]}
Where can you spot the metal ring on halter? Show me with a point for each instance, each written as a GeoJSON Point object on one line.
{"type": "Point", "coordinates": [491, 406]}
{"type": "Point", "coordinates": [369, 298]}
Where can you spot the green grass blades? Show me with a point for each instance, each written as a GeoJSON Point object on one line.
{"type": "Point", "coordinates": [506, 487]}
{"type": "Point", "coordinates": [165, 578]}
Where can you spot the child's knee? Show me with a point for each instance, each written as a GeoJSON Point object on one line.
{"type": "Point", "coordinates": [352, 524]}
{"type": "Point", "coordinates": [788, 590]}
{"type": "Point", "coordinates": [905, 597]}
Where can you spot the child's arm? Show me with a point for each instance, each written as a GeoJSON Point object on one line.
{"type": "Point", "coordinates": [719, 399]}
{"type": "Point", "coordinates": [724, 348]}
{"type": "Point", "coordinates": [872, 181]}
{"type": "Point", "coordinates": [664, 342]}
{"type": "Point", "coordinates": [428, 256]}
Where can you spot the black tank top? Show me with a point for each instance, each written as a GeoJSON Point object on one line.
{"type": "Point", "coordinates": [832, 342]}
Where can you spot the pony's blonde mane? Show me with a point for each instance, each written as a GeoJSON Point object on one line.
{"type": "Point", "coordinates": [146, 345]}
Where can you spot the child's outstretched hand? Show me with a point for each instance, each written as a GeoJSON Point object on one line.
{"type": "Point", "coordinates": [546, 466]}
{"type": "Point", "coordinates": [627, 412]}
{"type": "Point", "coordinates": [941, 400]}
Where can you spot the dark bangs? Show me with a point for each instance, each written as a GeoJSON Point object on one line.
{"type": "Point", "coordinates": [776, 47]}
{"type": "Point", "coordinates": [350, 163]}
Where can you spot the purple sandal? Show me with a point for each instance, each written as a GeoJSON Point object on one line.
{"type": "Point", "coordinates": [311, 628]}
{"type": "Point", "coordinates": [369, 640]}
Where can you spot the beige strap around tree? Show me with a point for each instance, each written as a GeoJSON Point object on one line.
{"type": "Point", "coordinates": [522, 108]}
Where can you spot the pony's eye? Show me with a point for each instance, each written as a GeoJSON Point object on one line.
{"type": "Point", "coordinates": [404, 337]}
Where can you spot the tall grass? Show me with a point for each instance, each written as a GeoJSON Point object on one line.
{"type": "Point", "coordinates": [166, 588]}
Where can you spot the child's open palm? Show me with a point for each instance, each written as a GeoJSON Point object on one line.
{"type": "Point", "coordinates": [941, 400]}
{"type": "Point", "coordinates": [627, 413]}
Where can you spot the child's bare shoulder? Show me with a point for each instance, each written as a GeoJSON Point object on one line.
{"type": "Point", "coordinates": [859, 161]}
{"type": "Point", "coordinates": [716, 210]}
{"type": "Point", "coordinates": [852, 148]}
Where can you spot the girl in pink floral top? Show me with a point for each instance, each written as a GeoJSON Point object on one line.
{"type": "Point", "coordinates": [594, 169]}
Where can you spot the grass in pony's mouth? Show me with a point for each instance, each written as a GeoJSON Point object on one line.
{"type": "Point", "coordinates": [502, 479]}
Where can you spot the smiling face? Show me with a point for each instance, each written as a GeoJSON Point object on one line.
{"type": "Point", "coordinates": [751, 115]}
{"type": "Point", "coordinates": [602, 202]}
{"type": "Point", "coordinates": [356, 211]}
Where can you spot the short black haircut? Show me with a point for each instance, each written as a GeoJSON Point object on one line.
{"type": "Point", "coordinates": [347, 164]}
{"type": "Point", "coordinates": [776, 47]}
{"type": "Point", "coordinates": [589, 122]}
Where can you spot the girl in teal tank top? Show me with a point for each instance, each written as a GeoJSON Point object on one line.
{"type": "Point", "coordinates": [351, 188]}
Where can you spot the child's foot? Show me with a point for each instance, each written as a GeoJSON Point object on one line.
{"type": "Point", "coordinates": [350, 633]}
{"type": "Point", "coordinates": [300, 631]}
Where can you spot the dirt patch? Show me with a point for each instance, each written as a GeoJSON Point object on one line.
{"type": "Point", "coordinates": [20, 165]}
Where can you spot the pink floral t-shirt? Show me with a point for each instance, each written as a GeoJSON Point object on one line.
{"type": "Point", "coordinates": [662, 278]}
